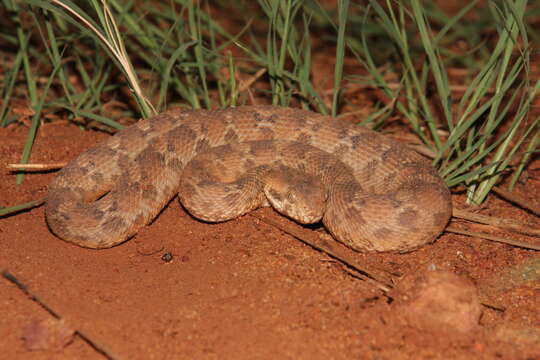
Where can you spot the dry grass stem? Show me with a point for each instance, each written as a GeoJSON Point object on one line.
{"type": "Point", "coordinates": [35, 167]}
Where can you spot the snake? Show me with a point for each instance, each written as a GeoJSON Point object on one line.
{"type": "Point", "coordinates": [371, 192]}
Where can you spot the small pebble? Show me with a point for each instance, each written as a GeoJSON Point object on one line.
{"type": "Point", "coordinates": [167, 257]}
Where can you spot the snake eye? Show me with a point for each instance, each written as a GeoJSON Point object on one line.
{"type": "Point", "coordinates": [291, 197]}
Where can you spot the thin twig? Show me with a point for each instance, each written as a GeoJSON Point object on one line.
{"type": "Point", "coordinates": [246, 84]}
{"type": "Point", "coordinates": [35, 167]}
{"type": "Point", "coordinates": [518, 243]}
{"type": "Point", "coordinates": [503, 223]}
{"type": "Point", "coordinates": [376, 280]}
{"type": "Point", "coordinates": [102, 349]}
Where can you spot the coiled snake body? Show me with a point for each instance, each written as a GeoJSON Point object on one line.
{"type": "Point", "coordinates": [371, 193]}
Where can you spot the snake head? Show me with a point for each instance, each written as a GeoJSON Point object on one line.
{"type": "Point", "coordinates": [295, 194]}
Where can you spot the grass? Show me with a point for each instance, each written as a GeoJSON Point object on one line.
{"type": "Point", "coordinates": [475, 149]}
{"type": "Point", "coordinates": [184, 54]}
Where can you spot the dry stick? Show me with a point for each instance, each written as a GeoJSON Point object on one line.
{"type": "Point", "coordinates": [102, 349]}
{"type": "Point", "coordinates": [35, 167]}
{"type": "Point", "coordinates": [372, 279]}
{"type": "Point", "coordinates": [508, 224]}
{"type": "Point", "coordinates": [493, 238]}
{"type": "Point", "coordinates": [246, 84]}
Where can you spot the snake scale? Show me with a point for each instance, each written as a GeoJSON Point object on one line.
{"type": "Point", "coordinates": [370, 192]}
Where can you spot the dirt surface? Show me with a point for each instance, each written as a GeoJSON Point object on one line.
{"type": "Point", "coordinates": [245, 289]}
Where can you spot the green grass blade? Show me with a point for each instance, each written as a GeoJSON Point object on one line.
{"type": "Point", "coordinates": [35, 124]}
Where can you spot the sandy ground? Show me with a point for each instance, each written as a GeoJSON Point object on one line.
{"type": "Point", "coordinates": [244, 289]}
